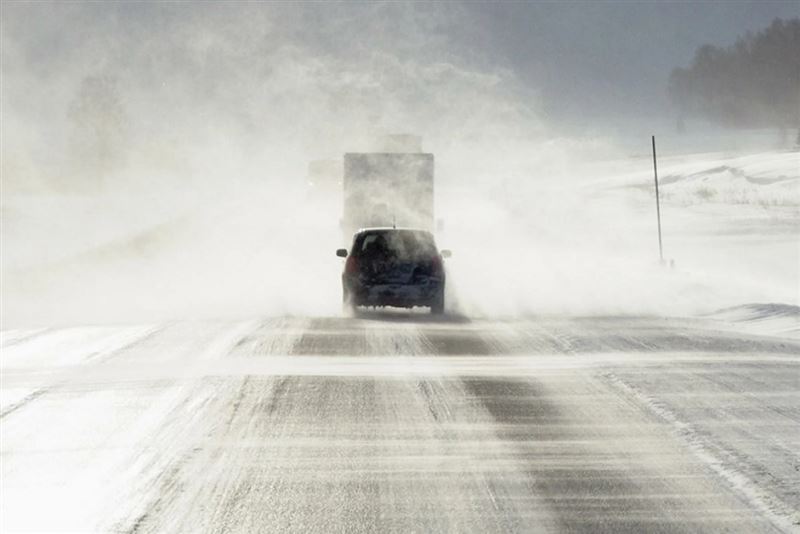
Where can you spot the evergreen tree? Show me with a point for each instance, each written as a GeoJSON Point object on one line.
{"type": "Point", "coordinates": [754, 83]}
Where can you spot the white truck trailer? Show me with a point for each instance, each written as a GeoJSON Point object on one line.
{"type": "Point", "coordinates": [387, 189]}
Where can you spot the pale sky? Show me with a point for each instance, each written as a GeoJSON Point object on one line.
{"type": "Point", "coordinates": [253, 68]}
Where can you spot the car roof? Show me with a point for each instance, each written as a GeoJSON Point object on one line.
{"type": "Point", "coordinates": [391, 228]}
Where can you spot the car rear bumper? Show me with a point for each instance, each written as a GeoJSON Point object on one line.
{"type": "Point", "coordinates": [399, 295]}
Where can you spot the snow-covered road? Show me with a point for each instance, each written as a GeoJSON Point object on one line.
{"type": "Point", "coordinates": [398, 422]}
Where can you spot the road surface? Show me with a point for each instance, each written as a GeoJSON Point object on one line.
{"type": "Point", "coordinates": [396, 422]}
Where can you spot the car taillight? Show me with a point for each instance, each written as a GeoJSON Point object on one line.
{"type": "Point", "coordinates": [351, 265]}
{"type": "Point", "coordinates": [436, 265]}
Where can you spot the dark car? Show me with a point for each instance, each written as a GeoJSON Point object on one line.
{"type": "Point", "coordinates": [393, 267]}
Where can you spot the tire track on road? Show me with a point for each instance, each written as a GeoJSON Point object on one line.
{"type": "Point", "coordinates": [331, 453]}
{"type": "Point", "coordinates": [173, 486]}
{"type": "Point", "coordinates": [597, 465]}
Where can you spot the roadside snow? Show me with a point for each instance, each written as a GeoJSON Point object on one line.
{"type": "Point", "coordinates": [768, 319]}
{"type": "Point", "coordinates": [29, 356]}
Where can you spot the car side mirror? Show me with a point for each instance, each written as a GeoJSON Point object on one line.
{"type": "Point", "coordinates": [446, 253]}
{"type": "Point", "coordinates": [341, 252]}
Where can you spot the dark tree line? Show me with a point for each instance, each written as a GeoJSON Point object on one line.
{"type": "Point", "coordinates": [754, 83]}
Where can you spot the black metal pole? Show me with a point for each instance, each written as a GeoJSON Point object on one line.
{"type": "Point", "coordinates": [658, 203]}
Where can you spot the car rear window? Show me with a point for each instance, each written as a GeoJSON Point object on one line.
{"type": "Point", "coordinates": [399, 244]}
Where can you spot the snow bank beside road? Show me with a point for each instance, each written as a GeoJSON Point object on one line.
{"type": "Point", "coordinates": [754, 179]}
{"type": "Point", "coordinates": [765, 179]}
{"type": "Point", "coordinates": [26, 352]}
{"type": "Point", "coordinates": [587, 242]}
{"type": "Point", "coordinates": [769, 319]}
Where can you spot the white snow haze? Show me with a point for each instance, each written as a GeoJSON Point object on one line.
{"type": "Point", "coordinates": [155, 162]}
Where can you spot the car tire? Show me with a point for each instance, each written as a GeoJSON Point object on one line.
{"type": "Point", "coordinates": [437, 306]}
{"type": "Point", "coordinates": [348, 306]}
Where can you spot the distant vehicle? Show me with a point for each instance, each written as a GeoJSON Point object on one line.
{"type": "Point", "coordinates": [387, 189]}
{"type": "Point", "coordinates": [398, 267]}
